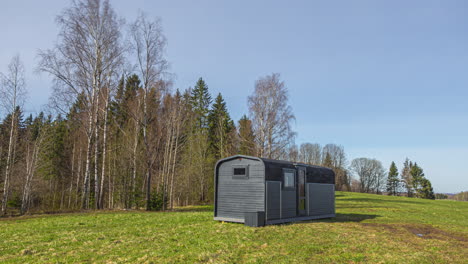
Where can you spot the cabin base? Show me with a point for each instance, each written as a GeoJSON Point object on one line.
{"type": "Point", "coordinates": [277, 221]}
{"type": "Point", "coordinates": [299, 218]}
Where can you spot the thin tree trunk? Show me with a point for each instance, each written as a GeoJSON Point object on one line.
{"type": "Point", "coordinates": [72, 174]}
{"type": "Point", "coordinates": [86, 182]}
{"type": "Point", "coordinates": [96, 156]}
{"type": "Point", "coordinates": [173, 166]}
{"type": "Point", "coordinates": [78, 177]}
{"type": "Point", "coordinates": [6, 186]}
{"type": "Point", "coordinates": [104, 152]}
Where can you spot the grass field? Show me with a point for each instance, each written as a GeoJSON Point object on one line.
{"type": "Point", "coordinates": [368, 228]}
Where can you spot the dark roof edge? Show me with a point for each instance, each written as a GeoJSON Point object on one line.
{"type": "Point", "coordinates": [265, 160]}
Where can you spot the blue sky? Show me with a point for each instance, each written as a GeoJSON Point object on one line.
{"type": "Point", "coordinates": [385, 79]}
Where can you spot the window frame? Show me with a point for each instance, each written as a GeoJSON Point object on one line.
{"type": "Point", "coordinates": [284, 177]}
{"type": "Point", "coordinates": [240, 177]}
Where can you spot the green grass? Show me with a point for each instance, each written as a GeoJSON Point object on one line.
{"type": "Point", "coordinates": [368, 228]}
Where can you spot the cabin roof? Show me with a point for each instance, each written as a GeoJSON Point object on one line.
{"type": "Point", "coordinates": [273, 162]}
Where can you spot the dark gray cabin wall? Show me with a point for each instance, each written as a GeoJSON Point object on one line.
{"type": "Point", "coordinates": [273, 200]}
{"type": "Point", "coordinates": [280, 203]}
{"type": "Point", "coordinates": [234, 197]}
{"type": "Point", "coordinates": [288, 203]}
{"type": "Point", "coordinates": [321, 199]}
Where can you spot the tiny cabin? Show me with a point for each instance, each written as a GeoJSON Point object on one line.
{"type": "Point", "coordinates": [258, 191]}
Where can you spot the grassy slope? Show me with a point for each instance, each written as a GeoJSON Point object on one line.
{"type": "Point", "coordinates": [368, 228]}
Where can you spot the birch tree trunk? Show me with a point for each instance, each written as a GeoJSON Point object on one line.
{"type": "Point", "coordinates": [104, 151]}
{"type": "Point", "coordinates": [13, 92]}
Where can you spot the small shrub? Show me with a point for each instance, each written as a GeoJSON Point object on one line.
{"type": "Point", "coordinates": [157, 202]}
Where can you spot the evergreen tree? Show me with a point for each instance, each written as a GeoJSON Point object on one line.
{"type": "Point", "coordinates": [200, 100]}
{"type": "Point", "coordinates": [426, 190]}
{"type": "Point", "coordinates": [220, 128]}
{"type": "Point", "coordinates": [200, 159]}
{"type": "Point", "coordinates": [392, 180]}
{"type": "Point", "coordinates": [246, 137]}
{"type": "Point", "coordinates": [54, 162]}
{"type": "Point", "coordinates": [417, 177]}
{"type": "Point", "coordinates": [327, 161]}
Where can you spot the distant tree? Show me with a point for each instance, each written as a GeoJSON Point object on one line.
{"type": "Point", "coordinates": [406, 177]}
{"type": "Point", "coordinates": [310, 153]}
{"type": "Point", "coordinates": [293, 153]}
{"type": "Point", "coordinates": [461, 196]}
{"type": "Point", "coordinates": [338, 163]}
{"type": "Point", "coordinates": [271, 116]}
{"type": "Point", "coordinates": [371, 174]}
{"type": "Point", "coordinates": [426, 191]}
{"type": "Point", "coordinates": [441, 196]}
{"type": "Point", "coordinates": [246, 136]}
{"type": "Point", "coordinates": [327, 161]}
{"type": "Point", "coordinates": [392, 180]}
{"type": "Point", "coordinates": [417, 176]}
{"type": "Point", "coordinates": [422, 186]}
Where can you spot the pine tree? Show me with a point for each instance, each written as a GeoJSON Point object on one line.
{"type": "Point", "coordinates": [220, 128]}
{"type": "Point", "coordinates": [246, 137]}
{"type": "Point", "coordinates": [392, 180]}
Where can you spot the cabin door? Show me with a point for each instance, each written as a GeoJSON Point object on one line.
{"type": "Point", "coordinates": [301, 195]}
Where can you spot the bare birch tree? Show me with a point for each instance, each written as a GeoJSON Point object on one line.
{"type": "Point", "coordinates": [13, 90]}
{"type": "Point", "coordinates": [87, 54]}
{"type": "Point", "coordinates": [271, 116]}
{"type": "Point", "coordinates": [310, 154]}
{"type": "Point", "coordinates": [149, 43]}
{"type": "Point", "coordinates": [371, 174]}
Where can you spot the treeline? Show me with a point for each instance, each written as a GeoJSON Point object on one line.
{"type": "Point", "coordinates": [117, 135]}
{"type": "Point", "coordinates": [461, 196]}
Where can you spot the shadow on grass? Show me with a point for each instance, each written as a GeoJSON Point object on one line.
{"type": "Point", "coordinates": [370, 200]}
{"type": "Point", "coordinates": [347, 218]}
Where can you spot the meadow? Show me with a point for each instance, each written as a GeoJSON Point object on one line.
{"type": "Point", "coordinates": [368, 229]}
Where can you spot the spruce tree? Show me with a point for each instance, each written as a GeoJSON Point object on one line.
{"type": "Point", "coordinates": [417, 176]}
{"type": "Point", "coordinates": [201, 159]}
{"type": "Point", "coordinates": [246, 137]}
{"type": "Point", "coordinates": [426, 190]}
{"type": "Point", "coordinates": [200, 100]}
{"type": "Point", "coordinates": [392, 180]}
{"type": "Point", "coordinates": [220, 127]}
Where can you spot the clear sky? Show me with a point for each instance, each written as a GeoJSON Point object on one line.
{"type": "Point", "coordinates": [385, 79]}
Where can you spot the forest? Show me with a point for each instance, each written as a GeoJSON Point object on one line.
{"type": "Point", "coordinates": [116, 134]}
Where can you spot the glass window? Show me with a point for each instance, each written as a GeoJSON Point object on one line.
{"type": "Point", "coordinates": [240, 172]}
{"type": "Point", "coordinates": [288, 179]}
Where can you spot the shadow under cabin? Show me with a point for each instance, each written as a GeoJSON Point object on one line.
{"type": "Point", "coordinates": [258, 191]}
